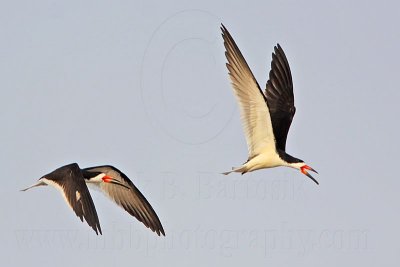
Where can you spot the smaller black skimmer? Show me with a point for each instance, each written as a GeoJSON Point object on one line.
{"type": "Point", "coordinates": [71, 181]}
{"type": "Point", "coordinates": [266, 117]}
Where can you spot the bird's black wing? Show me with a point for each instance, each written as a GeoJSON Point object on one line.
{"type": "Point", "coordinates": [128, 197]}
{"type": "Point", "coordinates": [280, 98]}
{"type": "Point", "coordinates": [70, 181]}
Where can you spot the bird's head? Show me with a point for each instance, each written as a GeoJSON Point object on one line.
{"type": "Point", "coordinates": [99, 177]}
{"type": "Point", "coordinates": [304, 168]}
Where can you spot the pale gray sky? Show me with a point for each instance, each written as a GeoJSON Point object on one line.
{"type": "Point", "coordinates": [144, 87]}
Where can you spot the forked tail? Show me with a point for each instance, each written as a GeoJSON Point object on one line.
{"type": "Point", "coordinates": [39, 183]}
{"type": "Point", "coordinates": [241, 169]}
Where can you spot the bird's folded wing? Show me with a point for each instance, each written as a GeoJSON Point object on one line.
{"type": "Point", "coordinates": [129, 198]}
{"type": "Point", "coordinates": [252, 103]}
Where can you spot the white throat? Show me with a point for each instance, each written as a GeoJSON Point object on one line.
{"type": "Point", "coordinates": [297, 165]}
{"type": "Point", "coordinates": [97, 179]}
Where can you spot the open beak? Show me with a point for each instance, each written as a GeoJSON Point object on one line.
{"type": "Point", "coordinates": [305, 172]}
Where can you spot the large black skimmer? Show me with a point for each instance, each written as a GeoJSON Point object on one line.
{"type": "Point", "coordinates": [71, 181]}
{"type": "Point", "coordinates": [266, 117]}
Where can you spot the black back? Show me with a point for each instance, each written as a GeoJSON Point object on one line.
{"type": "Point", "coordinates": [280, 98]}
{"type": "Point", "coordinates": [288, 158]}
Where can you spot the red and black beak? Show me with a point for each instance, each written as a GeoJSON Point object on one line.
{"type": "Point", "coordinates": [109, 179]}
{"type": "Point", "coordinates": [304, 169]}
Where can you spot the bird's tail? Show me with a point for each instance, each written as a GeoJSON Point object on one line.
{"type": "Point", "coordinates": [241, 169]}
{"type": "Point", "coordinates": [39, 183]}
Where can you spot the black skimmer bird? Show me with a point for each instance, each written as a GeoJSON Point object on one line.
{"type": "Point", "coordinates": [266, 117]}
{"type": "Point", "coordinates": [71, 181]}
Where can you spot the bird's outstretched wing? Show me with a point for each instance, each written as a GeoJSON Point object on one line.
{"type": "Point", "coordinates": [70, 181]}
{"type": "Point", "coordinates": [254, 111]}
{"type": "Point", "coordinates": [280, 98]}
{"type": "Point", "coordinates": [128, 197]}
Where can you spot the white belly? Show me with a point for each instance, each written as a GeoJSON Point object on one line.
{"type": "Point", "coordinates": [267, 159]}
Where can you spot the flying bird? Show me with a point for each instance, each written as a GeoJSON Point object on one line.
{"type": "Point", "coordinates": [266, 116]}
{"type": "Point", "coordinates": [71, 181]}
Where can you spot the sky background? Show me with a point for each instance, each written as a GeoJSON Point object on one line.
{"type": "Point", "coordinates": [142, 85]}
